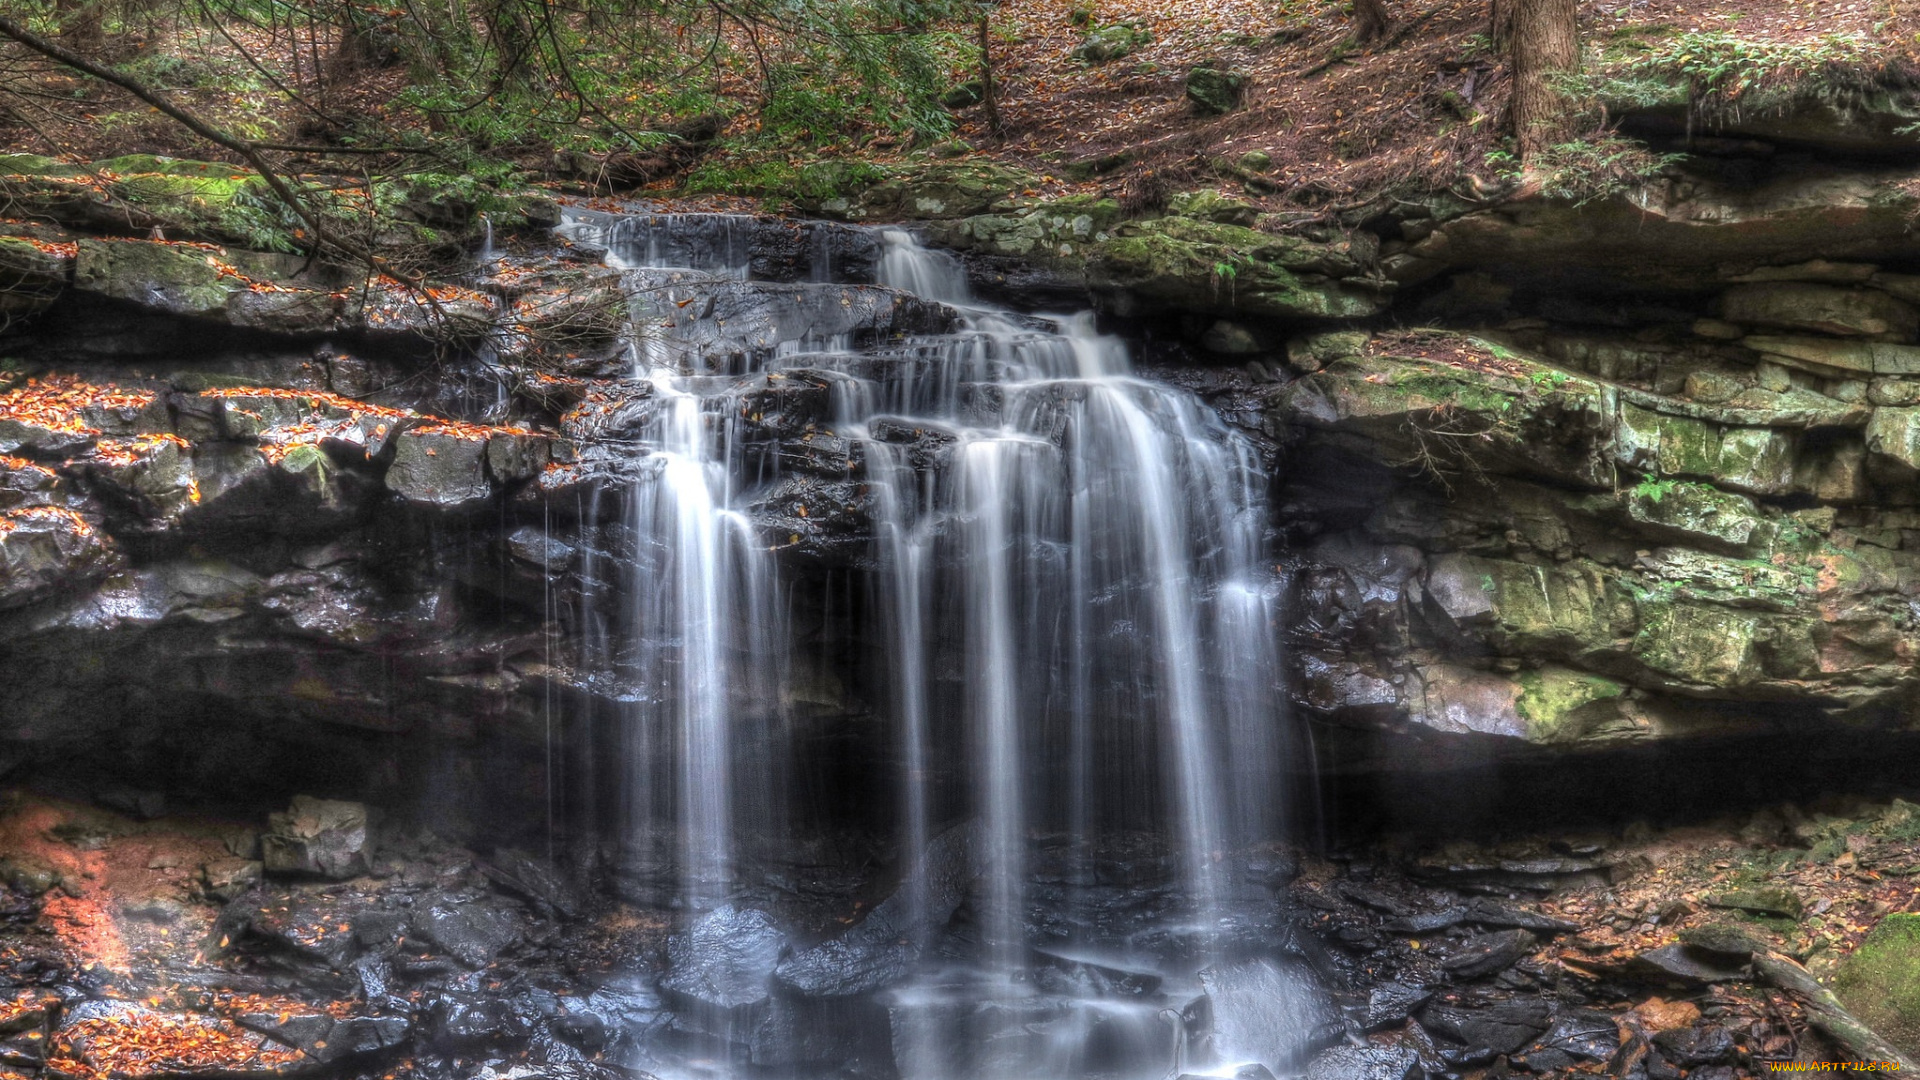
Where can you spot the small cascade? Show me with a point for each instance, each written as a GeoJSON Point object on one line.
{"type": "Point", "coordinates": [487, 256]}
{"type": "Point", "coordinates": [1079, 625]}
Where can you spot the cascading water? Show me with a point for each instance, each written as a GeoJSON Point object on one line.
{"type": "Point", "coordinates": [1067, 562]}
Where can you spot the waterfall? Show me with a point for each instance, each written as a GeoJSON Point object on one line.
{"type": "Point", "coordinates": [1078, 619]}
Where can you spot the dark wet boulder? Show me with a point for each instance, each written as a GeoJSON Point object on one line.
{"type": "Point", "coordinates": [819, 1034]}
{"type": "Point", "coordinates": [723, 964]}
{"type": "Point", "coordinates": [322, 837]}
{"type": "Point", "coordinates": [534, 879]}
{"type": "Point", "coordinates": [1366, 1063]}
{"type": "Point", "coordinates": [455, 1019]}
{"type": "Point", "coordinates": [1576, 1037]}
{"type": "Point", "coordinates": [327, 1038]}
{"type": "Point", "coordinates": [441, 467]}
{"type": "Point", "coordinates": [1485, 954]}
{"type": "Point", "coordinates": [1692, 1047]}
{"type": "Point", "coordinates": [471, 929]}
{"type": "Point", "coordinates": [1493, 1027]}
{"type": "Point", "coordinates": [881, 949]}
{"type": "Point", "coordinates": [46, 551]}
{"type": "Point", "coordinates": [1389, 1004]}
{"type": "Point", "coordinates": [308, 924]}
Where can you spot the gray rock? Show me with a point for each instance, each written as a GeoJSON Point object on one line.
{"type": "Point", "coordinates": [440, 468]}
{"type": "Point", "coordinates": [326, 1038]}
{"type": "Point", "coordinates": [1685, 965]}
{"type": "Point", "coordinates": [226, 879]}
{"type": "Point", "coordinates": [317, 836]}
{"type": "Point", "coordinates": [1825, 309]}
{"type": "Point", "coordinates": [1581, 1036]}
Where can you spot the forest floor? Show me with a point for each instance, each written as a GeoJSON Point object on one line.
{"type": "Point", "coordinates": [1424, 104]}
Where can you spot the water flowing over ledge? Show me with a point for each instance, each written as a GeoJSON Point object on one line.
{"type": "Point", "coordinates": [1080, 628]}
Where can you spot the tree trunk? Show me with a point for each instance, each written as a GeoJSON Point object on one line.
{"type": "Point", "coordinates": [1370, 20]}
{"type": "Point", "coordinates": [1542, 41]}
{"type": "Point", "coordinates": [989, 96]}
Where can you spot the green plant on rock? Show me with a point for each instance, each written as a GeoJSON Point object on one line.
{"type": "Point", "coordinates": [1653, 490]}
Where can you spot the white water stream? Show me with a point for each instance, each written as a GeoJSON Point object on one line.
{"type": "Point", "coordinates": [1074, 600]}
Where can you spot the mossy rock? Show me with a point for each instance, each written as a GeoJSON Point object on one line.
{"type": "Point", "coordinates": [1191, 264]}
{"type": "Point", "coordinates": [1723, 940]}
{"type": "Point", "coordinates": [1755, 460]}
{"type": "Point", "coordinates": [176, 280]}
{"type": "Point", "coordinates": [129, 164]}
{"type": "Point", "coordinates": [1698, 644]}
{"type": "Point", "coordinates": [964, 96]}
{"type": "Point", "coordinates": [1109, 43]}
{"type": "Point", "coordinates": [1699, 513]}
{"type": "Point", "coordinates": [1879, 982]}
{"type": "Point", "coordinates": [1215, 91]}
{"type": "Point", "coordinates": [36, 165]}
{"type": "Point", "coordinates": [1561, 705]}
{"type": "Point", "coordinates": [1781, 903]}
{"type": "Point", "coordinates": [1213, 206]}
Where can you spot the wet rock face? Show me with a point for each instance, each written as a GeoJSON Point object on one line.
{"type": "Point", "coordinates": [317, 836]}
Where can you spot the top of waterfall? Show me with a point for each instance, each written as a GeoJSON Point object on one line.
{"type": "Point", "coordinates": [909, 265]}
{"type": "Point", "coordinates": [716, 244]}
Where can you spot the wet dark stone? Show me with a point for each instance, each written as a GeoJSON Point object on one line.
{"type": "Point", "coordinates": [463, 1018]}
{"type": "Point", "coordinates": [1366, 1063]}
{"type": "Point", "coordinates": [325, 1038]}
{"type": "Point", "coordinates": [880, 949]}
{"type": "Point", "coordinates": [305, 924]}
{"type": "Point", "coordinates": [1708, 1044]}
{"type": "Point", "coordinates": [1485, 954]}
{"type": "Point", "coordinates": [1684, 965]}
{"type": "Point", "coordinates": [1373, 898]}
{"type": "Point", "coordinates": [815, 1033]}
{"type": "Point", "coordinates": [1578, 1036]}
{"type": "Point", "coordinates": [534, 879]}
{"type": "Point", "coordinates": [1500, 1027]}
{"type": "Point", "coordinates": [1481, 912]}
{"type": "Point", "coordinates": [1389, 1004]}
{"type": "Point", "coordinates": [725, 961]}
{"type": "Point", "coordinates": [473, 931]}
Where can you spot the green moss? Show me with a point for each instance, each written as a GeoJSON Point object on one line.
{"type": "Point", "coordinates": [1216, 266]}
{"type": "Point", "coordinates": [128, 164]}
{"type": "Point", "coordinates": [1880, 980]}
{"type": "Point", "coordinates": [34, 165]}
{"type": "Point", "coordinates": [1557, 703]}
{"type": "Point", "coordinates": [1697, 643]}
